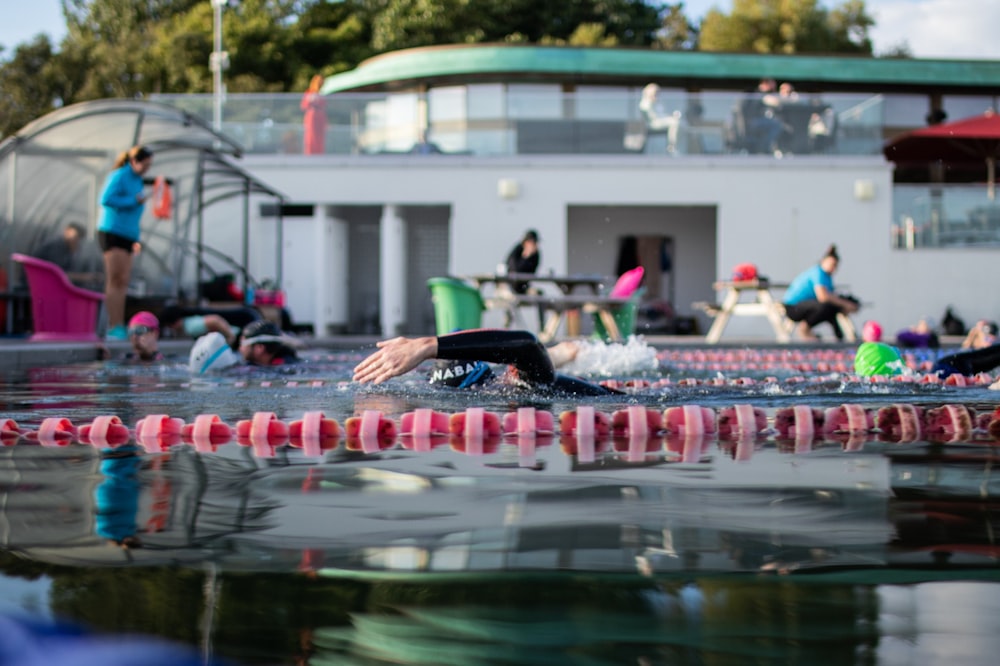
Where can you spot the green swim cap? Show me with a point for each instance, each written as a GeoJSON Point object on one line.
{"type": "Point", "coordinates": [877, 358]}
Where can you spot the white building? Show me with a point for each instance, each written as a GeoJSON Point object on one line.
{"type": "Point", "coordinates": [553, 139]}
{"type": "Point", "coordinates": [540, 138]}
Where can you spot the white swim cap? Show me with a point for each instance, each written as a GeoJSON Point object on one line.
{"type": "Point", "coordinates": [210, 352]}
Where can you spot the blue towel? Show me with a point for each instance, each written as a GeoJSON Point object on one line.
{"type": "Point", "coordinates": [31, 642]}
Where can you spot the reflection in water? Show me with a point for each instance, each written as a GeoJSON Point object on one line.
{"type": "Point", "coordinates": [442, 557]}
{"type": "Point", "coordinates": [510, 551]}
{"type": "Point", "coordinates": [116, 500]}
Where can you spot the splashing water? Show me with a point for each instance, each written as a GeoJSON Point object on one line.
{"type": "Point", "coordinates": [633, 357]}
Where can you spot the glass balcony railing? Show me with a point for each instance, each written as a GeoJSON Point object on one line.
{"type": "Point", "coordinates": [497, 119]}
{"type": "Point", "coordinates": [934, 216]}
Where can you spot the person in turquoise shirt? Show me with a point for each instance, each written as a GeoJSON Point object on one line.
{"type": "Point", "coordinates": [811, 300]}
{"type": "Point", "coordinates": [122, 202]}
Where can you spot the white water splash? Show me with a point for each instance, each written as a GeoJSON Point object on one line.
{"type": "Point", "coordinates": [613, 359]}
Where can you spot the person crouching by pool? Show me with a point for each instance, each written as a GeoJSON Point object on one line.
{"type": "Point", "coordinates": [144, 334]}
{"type": "Point", "coordinates": [263, 343]}
{"type": "Point", "coordinates": [811, 300]}
{"type": "Point", "coordinates": [530, 363]}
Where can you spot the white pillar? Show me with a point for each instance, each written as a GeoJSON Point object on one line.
{"type": "Point", "coordinates": [392, 271]}
{"type": "Point", "coordinates": [330, 255]}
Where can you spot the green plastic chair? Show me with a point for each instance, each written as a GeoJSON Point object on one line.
{"type": "Point", "coordinates": [624, 316]}
{"type": "Point", "coordinates": [458, 306]}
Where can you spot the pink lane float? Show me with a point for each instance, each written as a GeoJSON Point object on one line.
{"type": "Point", "coordinates": [10, 432]}
{"type": "Point", "coordinates": [582, 431]}
{"type": "Point", "coordinates": [54, 431]}
{"type": "Point", "coordinates": [529, 421]}
{"type": "Point", "coordinates": [799, 422]}
{"type": "Point", "coordinates": [371, 432]}
{"type": "Point", "coordinates": [207, 433]}
{"type": "Point", "coordinates": [158, 432]}
{"type": "Point", "coordinates": [105, 432]}
{"type": "Point", "coordinates": [741, 420]}
{"type": "Point", "coordinates": [314, 433]}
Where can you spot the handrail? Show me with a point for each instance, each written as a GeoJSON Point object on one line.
{"type": "Point", "coordinates": [191, 247]}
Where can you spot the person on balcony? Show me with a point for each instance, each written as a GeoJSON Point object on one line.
{"type": "Point", "coordinates": [657, 121]}
{"type": "Point", "coordinates": [762, 119]}
{"type": "Point", "coordinates": [314, 120]}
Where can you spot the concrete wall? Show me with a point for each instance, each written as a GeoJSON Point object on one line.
{"type": "Point", "coordinates": [778, 213]}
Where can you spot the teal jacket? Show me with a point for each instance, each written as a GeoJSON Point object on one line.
{"type": "Point", "coordinates": [120, 210]}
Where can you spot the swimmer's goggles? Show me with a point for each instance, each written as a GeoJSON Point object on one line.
{"type": "Point", "coordinates": [264, 339]}
{"type": "Point", "coordinates": [136, 331]}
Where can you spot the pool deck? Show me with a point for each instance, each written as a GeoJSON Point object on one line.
{"type": "Point", "coordinates": [20, 353]}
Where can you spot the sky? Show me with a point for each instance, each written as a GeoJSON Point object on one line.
{"type": "Point", "coordinates": [962, 29]}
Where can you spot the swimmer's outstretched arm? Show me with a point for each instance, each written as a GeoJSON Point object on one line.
{"type": "Point", "coordinates": [518, 348]}
{"type": "Point", "coordinates": [395, 357]}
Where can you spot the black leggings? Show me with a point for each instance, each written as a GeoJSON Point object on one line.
{"type": "Point", "coordinates": [814, 312]}
{"type": "Point", "coordinates": [968, 362]}
{"type": "Point", "coordinates": [520, 349]}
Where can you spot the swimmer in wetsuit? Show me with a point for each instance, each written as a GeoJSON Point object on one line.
{"type": "Point", "coordinates": [968, 363]}
{"type": "Point", "coordinates": [530, 362]}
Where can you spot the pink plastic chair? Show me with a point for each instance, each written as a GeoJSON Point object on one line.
{"type": "Point", "coordinates": [60, 309]}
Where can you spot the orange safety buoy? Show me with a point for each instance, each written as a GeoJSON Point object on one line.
{"type": "Point", "coordinates": [163, 199]}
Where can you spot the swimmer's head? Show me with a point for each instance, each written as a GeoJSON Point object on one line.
{"type": "Point", "coordinates": [877, 359]}
{"type": "Point", "coordinates": [460, 374]}
{"type": "Point", "coordinates": [210, 352]}
{"type": "Point", "coordinates": [145, 320]}
{"type": "Point", "coordinates": [871, 331]}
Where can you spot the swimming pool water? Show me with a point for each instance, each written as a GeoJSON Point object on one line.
{"type": "Point", "coordinates": [652, 551]}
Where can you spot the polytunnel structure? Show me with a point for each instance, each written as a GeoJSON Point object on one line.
{"type": "Point", "coordinates": [52, 172]}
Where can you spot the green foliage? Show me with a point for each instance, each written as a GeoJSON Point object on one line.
{"type": "Point", "coordinates": [28, 85]}
{"type": "Point", "coordinates": [401, 24]}
{"type": "Point", "coordinates": [129, 48]}
{"type": "Point", "coordinates": [788, 26]}
{"type": "Point", "coordinates": [677, 32]}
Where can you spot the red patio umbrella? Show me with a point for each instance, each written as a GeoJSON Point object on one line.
{"type": "Point", "coordinates": [969, 140]}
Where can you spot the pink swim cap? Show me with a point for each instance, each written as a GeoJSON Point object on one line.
{"type": "Point", "coordinates": [871, 332]}
{"type": "Point", "coordinates": [144, 318]}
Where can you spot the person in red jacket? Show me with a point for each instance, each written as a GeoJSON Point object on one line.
{"type": "Point", "coordinates": [314, 121]}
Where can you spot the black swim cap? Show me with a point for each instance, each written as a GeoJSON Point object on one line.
{"type": "Point", "coordinates": [461, 374]}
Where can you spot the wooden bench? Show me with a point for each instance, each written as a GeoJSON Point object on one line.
{"type": "Point", "coordinates": [711, 309]}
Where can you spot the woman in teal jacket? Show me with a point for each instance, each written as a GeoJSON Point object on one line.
{"type": "Point", "coordinates": [810, 298]}
{"type": "Point", "coordinates": [122, 202]}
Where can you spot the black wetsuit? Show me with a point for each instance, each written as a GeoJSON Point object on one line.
{"type": "Point", "coordinates": [968, 363]}
{"type": "Point", "coordinates": [520, 349]}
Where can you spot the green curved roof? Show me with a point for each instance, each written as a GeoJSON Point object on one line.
{"type": "Point", "coordinates": [443, 65]}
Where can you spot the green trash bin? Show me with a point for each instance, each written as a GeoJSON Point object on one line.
{"type": "Point", "coordinates": [457, 306]}
{"type": "Point", "coordinates": [624, 317]}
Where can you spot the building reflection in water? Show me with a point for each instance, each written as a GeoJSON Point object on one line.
{"type": "Point", "coordinates": [638, 554]}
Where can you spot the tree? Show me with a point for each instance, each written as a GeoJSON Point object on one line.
{"type": "Point", "coordinates": [788, 26]}
{"type": "Point", "coordinates": [28, 85]}
{"type": "Point", "coordinates": [677, 32]}
{"type": "Point", "coordinates": [127, 48]}
{"type": "Point", "coordinates": [398, 24]}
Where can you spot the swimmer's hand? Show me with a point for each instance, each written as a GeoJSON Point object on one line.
{"type": "Point", "coordinates": [395, 357]}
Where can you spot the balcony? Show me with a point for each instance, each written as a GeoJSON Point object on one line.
{"type": "Point", "coordinates": [943, 216]}
{"type": "Point", "coordinates": [489, 120]}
